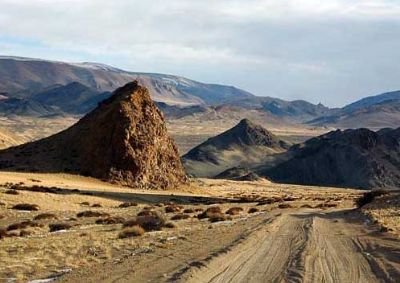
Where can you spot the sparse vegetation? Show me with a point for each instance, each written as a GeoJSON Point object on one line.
{"type": "Point", "coordinates": [151, 222]}
{"type": "Point", "coordinates": [253, 210]}
{"type": "Point", "coordinates": [234, 211]}
{"type": "Point", "coordinates": [96, 205]}
{"type": "Point", "coordinates": [111, 220]}
{"type": "Point", "coordinates": [90, 213]}
{"type": "Point", "coordinates": [368, 197]}
{"type": "Point", "coordinates": [26, 206]}
{"type": "Point", "coordinates": [217, 217]}
{"type": "Point", "coordinates": [11, 192]}
{"type": "Point", "coordinates": [59, 226]}
{"type": "Point", "coordinates": [180, 217]}
{"type": "Point", "coordinates": [210, 211]}
{"type": "Point", "coordinates": [127, 204]}
{"type": "Point", "coordinates": [173, 208]}
{"type": "Point", "coordinates": [45, 216]}
{"type": "Point", "coordinates": [22, 225]}
{"type": "Point", "coordinates": [134, 231]}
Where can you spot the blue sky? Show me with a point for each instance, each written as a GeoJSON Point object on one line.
{"type": "Point", "coordinates": [332, 51]}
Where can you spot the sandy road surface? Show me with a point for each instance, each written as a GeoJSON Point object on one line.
{"type": "Point", "coordinates": [307, 247]}
{"type": "Point", "coordinates": [287, 246]}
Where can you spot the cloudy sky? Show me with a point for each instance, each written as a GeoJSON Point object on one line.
{"type": "Point", "coordinates": [331, 51]}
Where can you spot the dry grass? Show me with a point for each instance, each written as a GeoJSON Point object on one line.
{"type": "Point", "coordinates": [134, 231]}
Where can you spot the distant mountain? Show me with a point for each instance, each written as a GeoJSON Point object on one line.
{"type": "Point", "coordinates": [353, 158]}
{"type": "Point", "coordinates": [372, 100]}
{"type": "Point", "coordinates": [26, 107]}
{"type": "Point", "coordinates": [244, 145]}
{"type": "Point", "coordinates": [375, 116]}
{"type": "Point", "coordinates": [25, 74]}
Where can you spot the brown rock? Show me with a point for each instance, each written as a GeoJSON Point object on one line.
{"type": "Point", "coordinates": [124, 140]}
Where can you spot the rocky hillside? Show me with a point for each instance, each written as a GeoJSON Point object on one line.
{"type": "Point", "coordinates": [124, 140]}
{"type": "Point", "coordinates": [8, 139]}
{"type": "Point", "coordinates": [246, 144]}
{"type": "Point", "coordinates": [353, 158]}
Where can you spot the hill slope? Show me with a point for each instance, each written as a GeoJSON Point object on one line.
{"type": "Point", "coordinates": [353, 158]}
{"type": "Point", "coordinates": [243, 145]}
{"type": "Point", "coordinates": [124, 140]}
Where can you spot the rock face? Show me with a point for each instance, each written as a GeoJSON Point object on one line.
{"type": "Point", "coordinates": [353, 158]}
{"type": "Point", "coordinates": [124, 140]}
{"type": "Point", "coordinates": [244, 145]}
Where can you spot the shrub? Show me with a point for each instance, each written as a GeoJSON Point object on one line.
{"type": "Point", "coordinates": [85, 203]}
{"type": "Point", "coordinates": [22, 225]}
{"type": "Point", "coordinates": [3, 233]}
{"type": "Point", "coordinates": [24, 233]}
{"type": "Point", "coordinates": [199, 210]}
{"type": "Point", "coordinates": [45, 216]}
{"type": "Point", "coordinates": [134, 231]}
{"type": "Point", "coordinates": [90, 213]}
{"type": "Point", "coordinates": [180, 217]}
{"type": "Point", "coordinates": [147, 212]}
{"type": "Point", "coordinates": [209, 211]}
{"type": "Point", "coordinates": [253, 210]}
{"type": "Point", "coordinates": [169, 225]}
{"type": "Point", "coordinates": [284, 205]}
{"type": "Point", "coordinates": [216, 217]}
{"type": "Point", "coordinates": [127, 204]}
{"type": "Point", "coordinates": [234, 210]}
{"type": "Point", "coordinates": [110, 220]}
{"type": "Point", "coordinates": [97, 205]}
{"type": "Point", "coordinates": [173, 208]}
{"type": "Point", "coordinates": [151, 222]}
{"type": "Point", "coordinates": [368, 197]}
{"type": "Point", "coordinates": [306, 206]}
{"type": "Point", "coordinates": [11, 192]}
{"type": "Point", "coordinates": [130, 223]}
{"type": "Point", "coordinates": [59, 226]}
{"type": "Point", "coordinates": [189, 210]}
{"type": "Point", "coordinates": [26, 206]}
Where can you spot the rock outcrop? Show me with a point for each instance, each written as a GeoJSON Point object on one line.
{"type": "Point", "coordinates": [244, 145]}
{"type": "Point", "coordinates": [352, 158]}
{"type": "Point", "coordinates": [124, 140]}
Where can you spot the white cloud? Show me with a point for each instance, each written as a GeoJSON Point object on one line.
{"type": "Point", "coordinates": [285, 47]}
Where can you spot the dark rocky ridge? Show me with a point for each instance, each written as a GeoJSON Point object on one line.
{"type": "Point", "coordinates": [124, 140]}
{"type": "Point", "coordinates": [352, 158]}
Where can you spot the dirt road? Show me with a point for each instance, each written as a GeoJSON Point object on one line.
{"type": "Point", "coordinates": [307, 247]}
{"type": "Point", "coordinates": [291, 246]}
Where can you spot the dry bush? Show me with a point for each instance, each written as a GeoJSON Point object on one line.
{"type": "Point", "coordinates": [110, 220]}
{"type": "Point", "coordinates": [11, 192]}
{"type": "Point", "coordinates": [151, 222]}
{"type": "Point", "coordinates": [253, 210]}
{"type": "Point", "coordinates": [59, 226]}
{"type": "Point", "coordinates": [180, 217]}
{"type": "Point", "coordinates": [45, 216]}
{"type": "Point", "coordinates": [173, 208]}
{"type": "Point", "coordinates": [85, 203]}
{"type": "Point", "coordinates": [127, 204]}
{"type": "Point", "coordinates": [89, 213]}
{"type": "Point", "coordinates": [189, 210]}
{"type": "Point", "coordinates": [3, 233]}
{"type": "Point", "coordinates": [147, 212]}
{"type": "Point", "coordinates": [97, 205]}
{"type": "Point", "coordinates": [22, 225]}
{"type": "Point", "coordinates": [306, 206]}
{"type": "Point", "coordinates": [209, 211]}
{"type": "Point", "coordinates": [25, 233]}
{"type": "Point", "coordinates": [368, 197]}
{"type": "Point", "coordinates": [284, 205]}
{"type": "Point", "coordinates": [234, 211]}
{"type": "Point", "coordinates": [130, 223]}
{"type": "Point", "coordinates": [169, 225]}
{"type": "Point", "coordinates": [26, 206]}
{"type": "Point", "coordinates": [217, 217]}
{"type": "Point", "coordinates": [134, 231]}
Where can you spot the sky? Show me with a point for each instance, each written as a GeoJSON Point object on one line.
{"type": "Point", "coordinates": [330, 51]}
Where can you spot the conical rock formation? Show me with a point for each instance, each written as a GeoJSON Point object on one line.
{"type": "Point", "coordinates": [124, 140]}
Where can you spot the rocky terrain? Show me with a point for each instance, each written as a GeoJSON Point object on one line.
{"type": "Point", "coordinates": [124, 140]}
{"type": "Point", "coordinates": [352, 158]}
{"type": "Point", "coordinates": [246, 144]}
